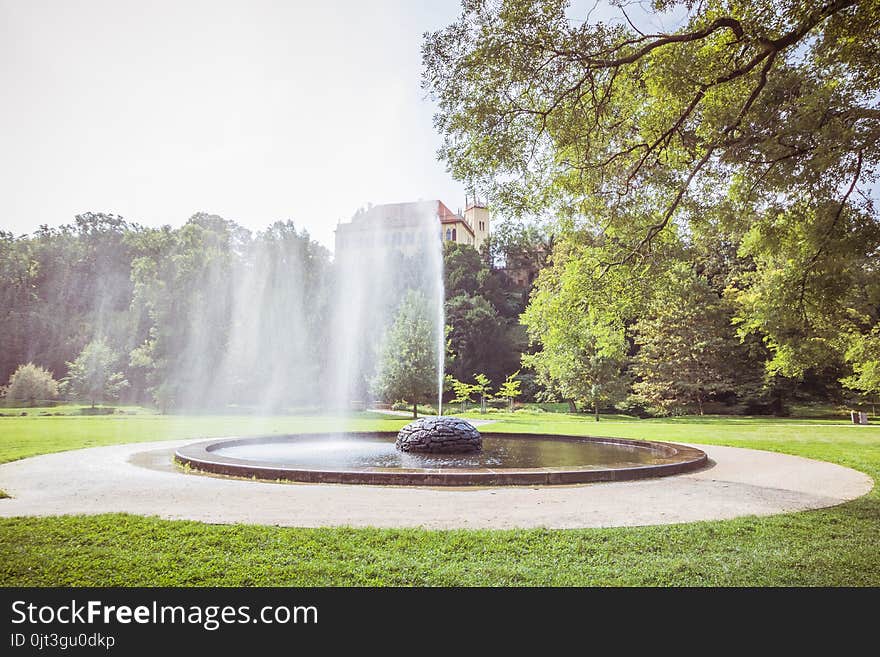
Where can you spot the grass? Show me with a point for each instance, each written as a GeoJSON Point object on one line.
{"type": "Point", "coordinates": [836, 546]}
{"type": "Point", "coordinates": [71, 409]}
{"type": "Point", "coordinates": [21, 437]}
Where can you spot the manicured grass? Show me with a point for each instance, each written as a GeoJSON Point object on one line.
{"type": "Point", "coordinates": [837, 546]}
{"type": "Point", "coordinates": [21, 437]}
{"type": "Point", "coordinates": [72, 409]}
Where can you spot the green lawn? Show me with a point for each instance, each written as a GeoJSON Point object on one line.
{"type": "Point", "coordinates": [21, 437]}
{"type": "Point", "coordinates": [837, 546]}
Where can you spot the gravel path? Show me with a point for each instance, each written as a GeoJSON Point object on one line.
{"type": "Point", "coordinates": [140, 478]}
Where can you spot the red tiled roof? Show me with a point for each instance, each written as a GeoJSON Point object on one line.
{"type": "Point", "coordinates": [447, 216]}
{"type": "Point", "coordinates": [396, 213]}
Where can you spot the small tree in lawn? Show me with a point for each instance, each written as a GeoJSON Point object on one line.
{"type": "Point", "coordinates": [408, 364]}
{"type": "Point", "coordinates": [482, 387]}
{"type": "Point", "coordinates": [30, 383]}
{"type": "Point", "coordinates": [462, 390]}
{"type": "Point", "coordinates": [90, 377]}
{"type": "Point", "coordinates": [510, 389]}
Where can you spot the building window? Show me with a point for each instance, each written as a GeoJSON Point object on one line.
{"type": "Point", "coordinates": [453, 235]}
{"type": "Point", "coordinates": [448, 234]}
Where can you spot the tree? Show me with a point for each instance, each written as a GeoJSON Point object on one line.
{"type": "Point", "coordinates": [91, 377]}
{"type": "Point", "coordinates": [31, 383]}
{"type": "Point", "coordinates": [536, 108]}
{"type": "Point", "coordinates": [758, 120]}
{"type": "Point", "coordinates": [463, 391]}
{"type": "Point", "coordinates": [482, 387]}
{"type": "Point", "coordinates": [407, 363]}
{"type": "Point", "coordinates": [688, 352]}
{"type": "Point", "coordinates": [581, 372]}
{"type": "Point", "coordinates": [479, 339]}
{"type": "Point", "coordinates": [510, 389]}
{"type": "Point", "coordinates": [481, 310]}
{"type": "Point", "coordinates": [578, 330]}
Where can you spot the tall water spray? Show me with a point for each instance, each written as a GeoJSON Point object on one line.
{"type": "Point", "coordinates": [272, 325]}
{"type": "Point", "coordinates": [384, 252]}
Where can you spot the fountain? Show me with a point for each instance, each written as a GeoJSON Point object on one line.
{"type": "Point", "coordinates": [439, 435]}
{"type": "Point", "coordinates": [504, 460]}
{"type": "Point", "coordinates": [385, 253]}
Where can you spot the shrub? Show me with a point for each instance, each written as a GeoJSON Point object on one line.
{"type": "Point", "coordinates": [31, 383]}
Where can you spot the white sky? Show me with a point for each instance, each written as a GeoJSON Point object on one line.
{"type": "Point", "coordinates": [256, 110]}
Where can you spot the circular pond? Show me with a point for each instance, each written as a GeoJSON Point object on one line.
{"type": "Point", "coordinates": [506, 459]}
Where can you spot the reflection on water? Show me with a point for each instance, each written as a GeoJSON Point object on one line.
{"type": "Point", "coordinates": [359, 452]}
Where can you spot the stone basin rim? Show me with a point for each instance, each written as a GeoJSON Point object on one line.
{"type": "Point", "coordinates": [675, 459]}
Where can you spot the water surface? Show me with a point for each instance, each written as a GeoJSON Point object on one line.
{"type": "Point", "coordinates": [351, 451]}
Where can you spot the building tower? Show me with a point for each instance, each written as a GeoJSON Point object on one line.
{"type": "Point", "coordinates": [476, 214]}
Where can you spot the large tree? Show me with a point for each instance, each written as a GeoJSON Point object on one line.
{"type": "Point", "coordinates": [580, 356]}
{"type": "Point", "coordinates": [482, 306]}
{"type": "Point", "coordinates": [688, 353]}
{"type": "Point", "coordinates": [756, 119]}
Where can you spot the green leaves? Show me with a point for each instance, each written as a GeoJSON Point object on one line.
{"type": "Point", "coordinates": [408, 365]}
{"type": "Point", "coordinates": [752, 127]}
{"type": "Point", "coordinates": [30, 383]}
{"type": "Point", "coordinates": [90, 377]}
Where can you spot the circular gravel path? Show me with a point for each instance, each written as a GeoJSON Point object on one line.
{"type": "Point", "coordinates": [140, 478]}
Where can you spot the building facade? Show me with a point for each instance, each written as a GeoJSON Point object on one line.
{"type": "Point", "coordinates": [398, 225]}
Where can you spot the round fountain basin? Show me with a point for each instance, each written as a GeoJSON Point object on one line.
{"type": "Point", "coordinates": [506, 459]}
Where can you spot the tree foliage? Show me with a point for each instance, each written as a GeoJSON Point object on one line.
{"type": "Point", "coordinates": [482, 387]}
{"type": "Point", "coordinates": [91, 376]}
{"type": "Point", "coordinates": [864, 355]}
{"type": "Point", "coordinates": [407, 366]}
{"type": "Point", "coordinates": [481, 308]}
{"type": "Point", "coordinates": [463, 392]}
{"type": "Point", "coordinates": [31, 383]}
{"type": "Point", "coordinates": [579, 359]}
{"type": "Point", "coordinates": [688, 353]}
{"type": "Point", "coordinates": [510, 389]}
{"type": "Point", "coordinates": [753, 126]}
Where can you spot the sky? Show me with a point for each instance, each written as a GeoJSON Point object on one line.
{"type": "Point", "coordinates": [256, 110]}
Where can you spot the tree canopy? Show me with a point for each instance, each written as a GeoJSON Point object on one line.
{"type": "Point", "coordinates": [742, 143]}
{"type": "Point", "coordinates": [408, 366]}
{"type": "Point", "coordinates": [92, 375]}
{"type": "Point", "coordinates": [30, 383]}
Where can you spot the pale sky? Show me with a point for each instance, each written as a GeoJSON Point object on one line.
{"type": "Point", "coordinates": [256, 110]}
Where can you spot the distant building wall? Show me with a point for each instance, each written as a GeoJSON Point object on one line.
{"type": "Point", "coordinates": [396, 224]}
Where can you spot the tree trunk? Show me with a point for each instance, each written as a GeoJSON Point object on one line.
{"type": "Point", "coordinates": [596, 410]}
{"type": "Point", "coordinates": [700, 404]}
{"type": "Point", "coordinates": [572, 407]}
{"type": "Point", "coordinates": [482, 403]}
{"type": "Point", "coordinates": [415, 410]}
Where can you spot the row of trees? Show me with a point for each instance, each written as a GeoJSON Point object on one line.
{"type": "Point", "coordinates": [149, 311]}
{"type": "Point", "coordinates": [463, 393]}
{"type": "Point", "coordinates": [666, 341]}
{"type": "Point", "coordinates": [208, 314]}
{"type": "Point", "coordinates": [90, 377]}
